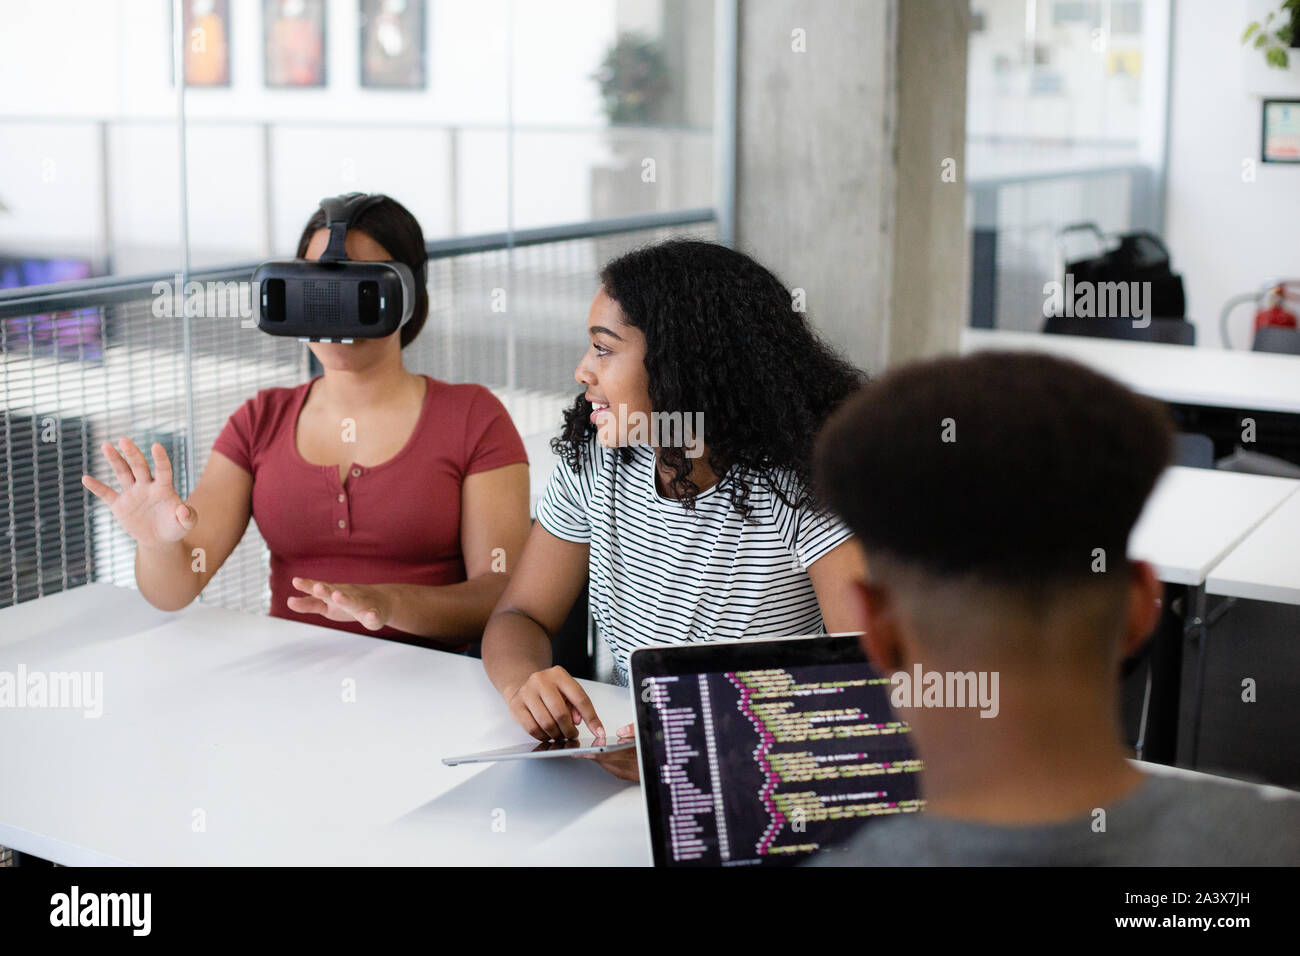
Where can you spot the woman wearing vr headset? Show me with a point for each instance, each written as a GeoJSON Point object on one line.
{"type": "Point", "coordinates": [391, 502]}
{"type": "Point", "coordinates": [685, 488]}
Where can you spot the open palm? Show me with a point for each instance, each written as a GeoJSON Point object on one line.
{"type": "Point", "coordinates": [148, 507]}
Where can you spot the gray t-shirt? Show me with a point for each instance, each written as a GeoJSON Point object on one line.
{"type": "Point", "coordinates": [1166, 821]}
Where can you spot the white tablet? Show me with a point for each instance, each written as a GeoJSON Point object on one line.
{"type": "Point", "coordinates": [546, 748]}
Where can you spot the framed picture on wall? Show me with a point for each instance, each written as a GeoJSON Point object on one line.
{"type": "Point", "coordinates": [294, 32]}
{"type": "Point", "coordinates": [1280, 140]}
{"type": "Point", "coordinates": [392, 44]}
{"type": "Point", "coordinates": [207, 42]}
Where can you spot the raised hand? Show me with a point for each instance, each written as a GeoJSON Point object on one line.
{"type": "Point", "coordinates": [148, 507]}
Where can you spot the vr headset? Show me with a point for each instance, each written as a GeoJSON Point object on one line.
{"type": "Point", "coordinates": [335, 299]}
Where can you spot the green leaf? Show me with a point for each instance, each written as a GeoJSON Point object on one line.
{"type": "Point", "coordinates": [1249, 30]}
{"type": "Point", "coordinates": [1277, 57]}
{"type": "Point", "coordinates": [1261, 40]}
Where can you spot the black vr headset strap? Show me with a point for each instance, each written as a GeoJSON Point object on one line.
{"type": "Point", "coordinates": [341, 212]}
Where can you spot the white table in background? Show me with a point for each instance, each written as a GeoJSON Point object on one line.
{"type": "Point", "coordinates": [239, 720]}
{"type": "Point", "coordinates": [1190, 375]}
{"type": "Point", "coordinates": [1196, 516]}
{"type": "Point", "coordinates": [1192, 522]}
{"type": "Point", "coordinates": [1266, 565]}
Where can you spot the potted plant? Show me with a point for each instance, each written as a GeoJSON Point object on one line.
{"type": "Point", "coordinates": [634, 82]}
{"type": "Point", "coordinates": [1275, 41]}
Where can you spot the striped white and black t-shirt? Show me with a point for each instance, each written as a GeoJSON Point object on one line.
{"type": "Point", "coordinates": [663, 574]}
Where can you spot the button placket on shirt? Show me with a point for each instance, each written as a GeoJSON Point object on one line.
{"type": "Point", "coordinates": [342, 515]}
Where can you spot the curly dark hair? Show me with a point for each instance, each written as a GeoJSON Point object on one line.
{"type": "Point", "coordinates": [723, 339]}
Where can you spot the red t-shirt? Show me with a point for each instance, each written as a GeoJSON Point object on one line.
{"type": "Point", "coordinates": [392, 523]}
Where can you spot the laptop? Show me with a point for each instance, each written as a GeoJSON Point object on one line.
{"type": "Point", "coordinates": [765, 752]}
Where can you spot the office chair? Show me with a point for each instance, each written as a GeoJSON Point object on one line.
{"type": "Point", "coordinates": [1193, 450]}
{"type": "Point", "coordinates": [1272, 338]}
{"type": "Point", "coordinates": [1165, 331]}
{"type": "Point", "coordinates": [569, 645]}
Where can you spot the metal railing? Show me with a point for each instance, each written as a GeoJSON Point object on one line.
{"type": "Point", "coordinates": [85, 361]}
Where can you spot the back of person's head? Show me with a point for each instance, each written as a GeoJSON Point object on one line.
{"type": "Point", "coordinates": [999, 484]}
{"type": "Point", "coordinates": [391, 225]}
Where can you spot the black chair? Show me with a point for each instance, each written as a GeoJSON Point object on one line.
{"type": "Point", "coordinates": [569, 644]}
{"type": "Point", "coordinates": [1165, 331]}
{"type": "Point", "coordinates": [569, 647]}
{"type": "Point", "coordinates": [1192, 450]}
{"type": "Point", "coordinates": [1272, 338]}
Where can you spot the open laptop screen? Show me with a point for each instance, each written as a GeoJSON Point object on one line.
{"type": "Point", "coordinates": [763, 752]}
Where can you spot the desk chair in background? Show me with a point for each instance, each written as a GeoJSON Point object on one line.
{"type": "Point", "coordinates": [1195, 450]}
{"type": "Point", "coordinates": [1274, 338]}
{"type": "Point", "coordinates": [1165, 331]}
{"type": "Point", "coordinates": [570, 644]}
{"type": "Point", "coordinates": [1192, 450]}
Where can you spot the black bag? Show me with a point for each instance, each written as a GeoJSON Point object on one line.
{"type": "Point", "coordinates": [1139, 257]}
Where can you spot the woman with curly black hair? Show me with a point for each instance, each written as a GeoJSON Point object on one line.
{"type": "Point", "coordinates": [684, 491]}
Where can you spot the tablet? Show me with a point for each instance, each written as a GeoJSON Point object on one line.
{"type": "Point", "coordinates": [546, 748]}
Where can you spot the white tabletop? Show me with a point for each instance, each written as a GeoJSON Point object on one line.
{"type": "Point", "coordinates": [1193, 375]}
{"type": "Point", "coordinates": [1196, 516]}
{"type": "Point", "coordinates": [1266, 565]}
{"type": "Point", "coordinates": [242, 718]}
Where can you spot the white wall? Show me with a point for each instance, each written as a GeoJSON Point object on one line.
{"type": "Point", "coordinates": [839, 148]}
{"type": "Point", "coordinates": [1226, 235]}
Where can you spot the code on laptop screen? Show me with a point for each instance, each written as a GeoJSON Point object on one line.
{"type": "Point", "coordinates": [768, 766]}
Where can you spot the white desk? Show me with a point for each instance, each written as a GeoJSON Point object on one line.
{"type": "Point", "coordinates": [1192, 521]}
{"type": "Point", "coordinates": [1192, 375]}
{"type": "Point", "coordinates": [1196, 516]}
{"type": "Point", "coordinates": [242, 717]}
{"type": "Point", "coordinates": [1266, 565]}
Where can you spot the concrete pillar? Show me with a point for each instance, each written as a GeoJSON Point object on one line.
{"type": "Point", "coordinates": [931, 243]}
{"type": "Point", "coordinates": [846, 110]}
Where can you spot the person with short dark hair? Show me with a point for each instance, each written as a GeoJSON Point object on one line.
{"type": "Point", "coordinates": [993, 497]}
{"type": "Point", "coordinates": [390, 501]}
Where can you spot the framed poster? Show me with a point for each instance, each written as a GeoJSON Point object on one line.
{"type": "Point", "coordinates": [207, 42]}
{"type": "Point", "coordinates": [294, 37]}
{"type": "Point", "coordinates": [1280, 139]}
{"type": "Point", "coordinates": [392, 44]}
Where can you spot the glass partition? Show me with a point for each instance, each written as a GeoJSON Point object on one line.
{"type": "Point", "coordinates": [147, 143]}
